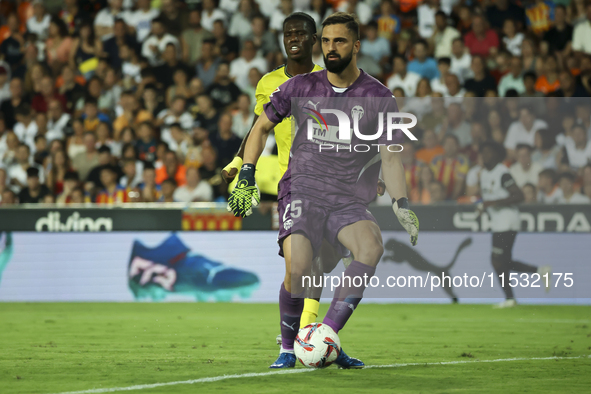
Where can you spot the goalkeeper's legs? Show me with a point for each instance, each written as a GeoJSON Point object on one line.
{"type": "Point", "coordinates": [327, 261]}
{"type": "Point", "coordinates": [291, 295]}
{"type": "Point", "coordinates": [364, 240]}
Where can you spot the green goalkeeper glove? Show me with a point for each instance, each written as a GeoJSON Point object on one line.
{"type": "Point", "coordinates": [407, 218]}
{"type": "Point", "coordinates": [246, 193]}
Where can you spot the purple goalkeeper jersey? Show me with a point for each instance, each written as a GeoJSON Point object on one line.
{"type": "Point", "coordinates": [348, 172]}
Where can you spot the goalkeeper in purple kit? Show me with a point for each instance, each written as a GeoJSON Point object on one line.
{"type": "Point", "coordinates": [325, 192]}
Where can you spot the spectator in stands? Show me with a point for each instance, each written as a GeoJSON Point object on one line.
{"type": "Point", "coordinates": [582, 32]}
{"type": "Point", "coordinates": [482, 81]}
{"type": "Point", "coordinates": [120, 37]}
{"type": "Point", "coordinates": [11, 48]}
{"type": "Point", "coordinates": [176, 114]}
{"type": "Point", "coordinates": [141, 19]}
{"type": "Point", "coordinates": [436, 192]}
{"type": "Point", "coordinates": [195, 190]}
{"type": "Point", "coordinates": [193, 37]}
{"type": "Point", "coordinates": [512, 37]}
{"type": "Point", "coordinates": [523, 131]}
{"type": "Point", "coordinates": [227, 46]}
{"type": "Point", "coordinates": [148, 189]}
{"type": "Point", "coordinates": [422, 64]}
{"type": "Point", "coordinates": [451, 167]}
{"type": "Point", "coordinates": [529, 193]}
{"type": "Point", "coordinates": [165, 73]}
{"type": "Point", "coordinates": [71, 89]}
{"type": "Point", "coordinates": [419, 193]}
{"type": "Point", "coordinates": [438, 84]}
{"type": "Point", "coordinates": [548, 190]}
{"type": "Point", "coordinates": [412, 167]}
{"type": "Point", "coordinates": [35, 191]}
{"type": "Point", "coordinates": [546, 150]}
{"type": "Point", "coordinates": [210, 14]}
{"type": "Point", "coordinates": [481, 40]}
{"type": "Point", "coordinates": [179, 141]}
{"type": "Point", "coordinates": [455, 92]}
{"type": "Point", "coordinates": [70, 182]}
{"type": "Point", "coordinates": [47, 93]}
{"type": "Point", "coordinates": [105, 19]}
{"type": "Point", "coordinates": [171, 169]}
{"type": "Point", "coordinates": [525, 170]}
{"type": "Point", "coordinates": [240, 23]}
{"type": "Point", "coordinates": [569, 195]}
{"type": "Point", "coordinates": [58, 45]}
{"type": "Point", "coordinates": [478, 137]}
{"type": "Point", "coordinates": [529, 82]}
{"type": "Point", "coordinates": [25, 127]}
{"type": "Point", "coordinates": [461, 60]}
{"type": "Point", "coordinates": [91, 116]}
{"type": "Point", "coordinates": [456, 125]}
{"type": "Point", "coordinates": [223, 91]}
{"type": "Point", "coordinates": [443, 36]}
{"type": "Point", "coordinates": [224, 141]}
{"type": "Point", "coordinates": [243, 119]}
{"type": "Point", "coordinates": [131, 178]}
{"type": "Point", "coordinates": [57, 122]}
{"type": "Point", "coordinates": [154, 46]}
{"type": "Point", "coordinates": [85, 161]}
{"type": "Point", "coordinates": [513, 79]}
{"type": "Point", "coordinates": [388, 22]}
{"type": "Point", "coordinates": [501, 10]}
{"type": "Point", "coordinates": [426, 18]}
{"type": "Point", "coordinates": [111, 192]}
{"type": "Point", "coordinates": [548, 82]}
{"type": "Point", "coordinates": [8, 197]}
{"type": "Point", "coordinates": [374, 46]}
{"type": "Point", "coordinates": [17, 173]}
{"type": "Point", "coordinates": [264, 41]}
{"type": "Point", "coordinates": [105, 159]}
{"type": "Point", "coordinates": [560, 34]}
{"type": "Point", "coordinates": [569, 86]}
{"type": "Point", "coordinates": [59, 167]}
{"type": "Point", "coordinates": [208, 64]}
{"type": "Point", "coordinates": [360, 8]}
{"type": "Point", "coordinates": [403, 78]}
{"type": "Point", "coordinates": [132, 114]}
{"type": "Point", "coordinates": [431, 147]}
{"type": "Point", "coordinates": [578, 148]}
{"type": "Point", "coordinates": [8, 107]}
{"type": "Point", "coordinates": [208, 116]}
{"type": "Point", "coordinates": [212, 173]}
{"type": "Point", "coordinates": [146, 144]}
{"type": "Point", "coordinates": [168, 188]}
{"type": "Point", "coordinates": [240, 67]}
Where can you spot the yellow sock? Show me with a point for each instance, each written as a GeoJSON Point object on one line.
{"type": "Point", "coordinates": [310, 312]}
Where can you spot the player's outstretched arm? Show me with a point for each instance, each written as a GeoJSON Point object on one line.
{"type": "Point", "coordinates": [229, 172]}
{"type": "Point", "coordinates": [246, 193]}
{"type": "Point", "coordinates": [393, 173]}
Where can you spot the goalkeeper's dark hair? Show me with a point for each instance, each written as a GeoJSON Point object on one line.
{"type": "Point", "coordinates": [302, 16]}
{"type": "Point", "coordinates": [342, 18]}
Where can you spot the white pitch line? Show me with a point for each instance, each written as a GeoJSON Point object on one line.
{"type": "Point", "coordinates": [293, 371]}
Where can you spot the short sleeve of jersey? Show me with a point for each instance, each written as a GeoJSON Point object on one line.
{"type": "Point", "coordinates": [389, 105]}
{"type": "Point", "coordinates": [279, 105]}
{"type": "Point", "coordinates": [262, 97]}
{"type": "Point", "coordinates": [507, 180]}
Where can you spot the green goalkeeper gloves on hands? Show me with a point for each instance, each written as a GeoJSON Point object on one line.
{"type": "Point", "coordinates": [407, 218]}
{"type": "Point", "coordinates": [246, 193]}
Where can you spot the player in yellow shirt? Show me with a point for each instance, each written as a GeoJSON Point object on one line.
{"type": "Point", "coordinates": [299, 36]}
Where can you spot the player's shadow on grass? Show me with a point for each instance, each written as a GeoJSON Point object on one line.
{"type": "Point", "coordinates": [399, 252]}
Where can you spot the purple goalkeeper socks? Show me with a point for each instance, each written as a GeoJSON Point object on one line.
{"type": "Point", "coordinates": [348, 295]}
{"type": "Point", "coordinates": [290, 309]}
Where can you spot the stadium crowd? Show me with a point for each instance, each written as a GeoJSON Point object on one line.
{"type": "Point", "coordinates": [144, 101]}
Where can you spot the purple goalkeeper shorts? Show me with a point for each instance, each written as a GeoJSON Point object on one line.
{"type": "Point", "coordinates": [315, 220]}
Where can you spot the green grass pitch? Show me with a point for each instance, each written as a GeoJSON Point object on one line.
{"type": "Point", "coordinates": [55, 348]}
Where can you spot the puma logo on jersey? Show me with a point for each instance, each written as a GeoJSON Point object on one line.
{"type": "Point", "coordinates": [313, 105]}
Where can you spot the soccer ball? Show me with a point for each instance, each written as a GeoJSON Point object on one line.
{"type": "Point", "coordinates": [317, 345]}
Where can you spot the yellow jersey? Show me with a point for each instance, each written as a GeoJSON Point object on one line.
{"type": "Point", "coordinates": [267, 85]}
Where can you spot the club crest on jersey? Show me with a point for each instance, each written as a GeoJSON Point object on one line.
{"type": "Point", "coordinates": [357, 111]}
